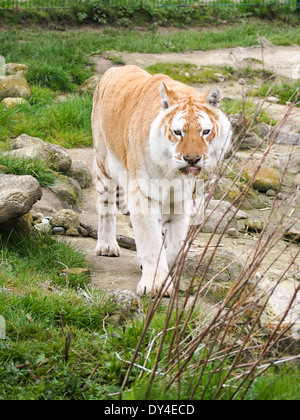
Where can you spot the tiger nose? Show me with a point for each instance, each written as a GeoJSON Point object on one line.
{"type": "Point", "coordinates": [192, 160]}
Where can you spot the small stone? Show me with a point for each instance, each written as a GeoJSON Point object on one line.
{"type": "Point", "coordinates": [58, 231]}
{"type": "Point", "coordinates": [273, 99]}
{"type": "Point", "coordinates": [44, 220]}
{"type": "Point", "coordinates": [128, 306]}
{"type": "Point", "coordinates": [232, 233]}
{"type": "Point", "coordinates": [241, 214]}
{"type": "Point", "coordinates": [281, 196]}
{"type": "Point", "coordinates": [12, 102]}
{"type": "Point", "coordinates": [72, 232]}
{"type": "Point", "coordinates": [67, 219]}
{"type": "Point", "coordinates": [271, 193]}
{"type": "Point", "coordinates": [82, 232]}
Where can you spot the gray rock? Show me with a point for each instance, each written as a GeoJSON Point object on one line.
{"type": "Point", "coordinates": [89, 86]}
{"type": "Point", "coordinates": [285, 136]}
{"type": "Point", "coordinates": [12, 102]}
{"type": "Point", "coordinates": [291, 162]}
{"type": "Point", "coordinates": [15, 69]}
{"type": "Point", "coordinates": [264, 179]}
{"type": "Point", "coordinates": [49, 204]}
{"type": "Point", "coordinates": [67, 190]}
{"type": "Point", "coordinates": [14, 87]}
{"type": "Point", "coordinates": [82, 232]}
{"type": "Point", "coordinates": [241, 214]}
{"type": "Point", "coordinates": [277, 299]}
{"type": "Point", "coordinates": [223, 212]}
{"type": "Point", "coordinates": [224, 269]}
{"type": "Point", "coordinates": [251, 141]}
{"type": "Point", "coordinates": [81, 173]}
{"type": "Point", "coordinates": [17, 195]}
{"type": "Point", "coordinates": [55, 157]}
{"type": "Point", "coordinates": [25, 141]}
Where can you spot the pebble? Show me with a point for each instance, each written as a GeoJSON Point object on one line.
{"type": "Point", "coordinates": [58, 231]}
{"type": "Point", "coordinates": [241, 214]}
{"type": "Point", "coordinates": [232, 233]}
{"type": "Point", "coordinates": [271, 193]}
{"type": "Point", "coordinates": [281, 196]}
{"type": "Point", "coordinates": [273, 99]}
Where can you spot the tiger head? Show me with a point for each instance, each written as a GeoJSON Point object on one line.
{"type": "Point", "coordinates": [190, 133]}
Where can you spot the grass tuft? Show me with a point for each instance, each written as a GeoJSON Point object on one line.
{"type": "Point", "coordinates": [27, 166]}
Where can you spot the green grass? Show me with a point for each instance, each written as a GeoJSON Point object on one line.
{"type": "Point", "coordinates": [191, 73]}
{"type": "Point", "coordinates": [66, 123]}
{"type": "Point", "coordinates": [60, 344]}
{"type": "Point", "coordinates": [285, 91]}
{"type": "Point", "coordinates": [22, 166]}
{"type": "Point", "coordinates": [59, 62]}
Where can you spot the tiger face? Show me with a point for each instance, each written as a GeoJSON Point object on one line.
{"type": "Point", "coordinates": [190, 133]}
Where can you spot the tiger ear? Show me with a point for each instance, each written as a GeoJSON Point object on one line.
{"type": "Point", "coordinates": [168, 96]}
{"type": "Point", "coordinates": [214, 96]}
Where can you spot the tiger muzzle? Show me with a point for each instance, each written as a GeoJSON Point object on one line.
{"type": "Point", "coordinates": [194, 164]}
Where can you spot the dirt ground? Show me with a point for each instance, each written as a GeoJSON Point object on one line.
{"type": "Point", "coordinates": [124, 272]}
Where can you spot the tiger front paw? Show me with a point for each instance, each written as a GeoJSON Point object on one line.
{"type": "Point", "coordinates": [162, 283]}
{"type": "Point", "coordinates": [108, 249]}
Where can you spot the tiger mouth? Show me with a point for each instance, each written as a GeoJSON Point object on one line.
{"type": "Point", "coordinates": [193, 170]}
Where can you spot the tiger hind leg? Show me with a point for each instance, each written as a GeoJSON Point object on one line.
{"type": "Point", "coordinates": [107, 244]}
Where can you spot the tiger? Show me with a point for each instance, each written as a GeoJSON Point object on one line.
{"type": "Point", "coordinates": [153, 137]}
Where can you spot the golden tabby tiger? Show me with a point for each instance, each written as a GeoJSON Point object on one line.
{"type": "Point", "coordinates": [153, 136]}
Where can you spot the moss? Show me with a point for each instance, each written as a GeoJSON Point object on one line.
{"type": "Point", "coordinates": [265, 179]}
{"type": "Point", "coordinates": [191, 73]}
{"type": "Point", "coordinates": [4, 169]}
{"type": "Point", "coordinates": [14, 87]}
